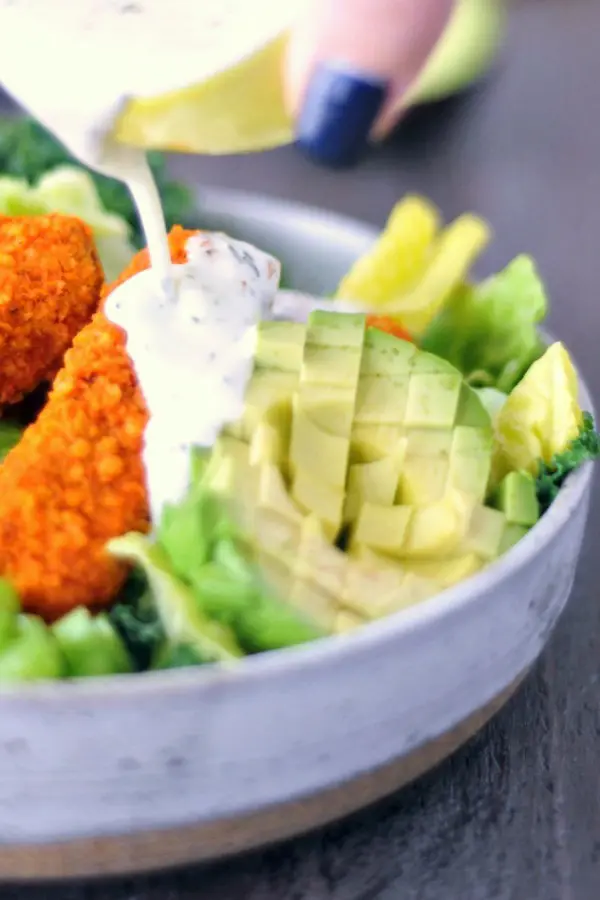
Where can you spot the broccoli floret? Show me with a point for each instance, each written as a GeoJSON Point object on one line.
{"type": "Point", "coordinates": [552, 475]}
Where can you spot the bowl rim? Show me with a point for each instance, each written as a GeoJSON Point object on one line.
{"type": "Point", "coordinates": [419, 617]}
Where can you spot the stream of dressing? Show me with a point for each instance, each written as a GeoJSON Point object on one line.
{"type": "Point", "coordinates": [189, 328]}
{"type": "Point", "coordinates": [193, 352]}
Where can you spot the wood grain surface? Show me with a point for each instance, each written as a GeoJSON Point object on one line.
{"type": "Point", "coordinates": [516, 814]}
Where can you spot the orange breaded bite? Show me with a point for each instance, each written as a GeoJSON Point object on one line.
{"type": "Point", "coordinates": [50, 284]}
{"type": "Point", "coordinates": [76, 478]}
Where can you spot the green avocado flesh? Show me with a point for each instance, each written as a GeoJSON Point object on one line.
{"type": "Point", "coordinates": [359, 473]}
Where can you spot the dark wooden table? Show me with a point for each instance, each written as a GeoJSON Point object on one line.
{"type": "Point", "coordinates": [515, 815]}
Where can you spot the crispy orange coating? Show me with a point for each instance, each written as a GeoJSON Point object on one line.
{"type": "Point", "coordinates": [76, 478]}
{"type": "Point", "coordinates": [50, 284]}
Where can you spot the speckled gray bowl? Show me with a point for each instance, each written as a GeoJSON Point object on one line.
{"type": "Point", "coordinates": [142, 772]}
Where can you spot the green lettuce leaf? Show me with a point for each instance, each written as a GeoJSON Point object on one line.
{"type": "Point", "coordinates": [10, 435]}
{"type": "Point", "coordinates": [184, 623]}
{"type": "Point", "coordinates": [489, 331]}
{"type": "Point", "coordinates": [205, 550]}
{"type": "Point", "coordinates": [210, 598]}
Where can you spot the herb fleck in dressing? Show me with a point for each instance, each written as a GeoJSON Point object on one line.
{"type": "Point", "coordinates": [193, 351]}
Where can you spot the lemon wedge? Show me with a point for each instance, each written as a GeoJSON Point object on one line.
{"type": "Point", "coordinates": [541, 415]}
{"type": "Point", "coordinates": [240, 109]}
{"type": "Point", "coordinates": [414, 267]}
{"type": "Point", "coordinates": [237, 104]}
{"type": "Point", "coordinates": [455, 251]}
{"type": "Point", "coordinates": [397, 259]}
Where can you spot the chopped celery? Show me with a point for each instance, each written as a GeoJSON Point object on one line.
{"type": "Point", "coordinates": [180, 657]}
{"type": "Point", "coordinates": [259, 621]}
{"type": "Point", "coordinates": [269, 624]}
{"type": "Point", "coordinates": [90, 644]}
{"type": "Point", "coordinates": [220, 595]}
{"type": "Point", "coordinates": [10, 607]}
{"type": "Point", "coordinates": [185, 533]}
{"type": "Point", "coordinates": [32, 655]}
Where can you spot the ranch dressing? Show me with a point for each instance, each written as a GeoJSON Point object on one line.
{"type": "Point", "coordinates": [193, 355]}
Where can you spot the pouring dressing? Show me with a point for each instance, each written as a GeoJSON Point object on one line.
{"type": "Point", "coordinates": [189, 328]}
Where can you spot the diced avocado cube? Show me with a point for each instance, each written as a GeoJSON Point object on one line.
{"type": "Point", "coordinates": [269, 444]}
{"type": "Point", "coordinates": [382, 528]}
{"type": "Point", "coordinates": [381, 399]}
{"type": "Point", "coordinates": [432, 400]}
{"type": "Point", "coordinates": [485, 533]}
{"type": "Point", "coordinates": [423, 480]}
{"type": "Point", "coordinates": [227, 446]}
{"type": "Point", "coordinates": [318, 560]}
{"type": "Point", "coordinates": [409, 585]}
{"type": "Point", "coordinates": [277, 534]}
{"type": "Point", "coordinates": [374, 482]}
{"type": "Point", "coordinates": [427, 364]}
{"type": "Point", "coordinates": [470, 460]}
{"type": "Point", "coordinates": [437, 529]}
{"type": "Point", "coordinates": [266, 389]}
{"type": "Point", "coordinates": [316, 497]}
{"type": "Point", "coordinates": [429, 442]}
{"type": "Point", "coordinates": [446, 572]}
{"type": "Point", "coordinates": [413, 589]}
{"type": "Point", "coordinates": [273, 496]}
{"type": "Point", "coordinates": [335, 329]}
{"type": "Point", "coordinates": [384, 354]}
{"type": "Point", "coordinates": [317, 452]}
{"type": "Point", "coordinates": [369, 443]}
{"type": "Point", "coordinates": [331, 407]}
{"type": "Point", "coordinates": [424, 474]}
{"type": "Point", "coordinates": [346, 622]}
{"type": "Point", "coordinates": [236, 482]}
{"type": "Point", "coordinates": [516, 497]}
{"type": "Point", "coordinates": [470, 474]}
{"type": "Point", "coordinates": [229, 470]}
{"type": "Point", "coordinates": [280, 345]}
{"type": "Point", "coordinates": [330, 365]}
{"type": "Point", "coordinates": [371, 589]}
{"type": "Point", "coordinates": [470, 441]}
{"type": "Point", "coordinates": [471, 410]}
{"type": "Point", "coordinates": [314, 602]}
{"type": "Point", "coordinates": [512, 535]}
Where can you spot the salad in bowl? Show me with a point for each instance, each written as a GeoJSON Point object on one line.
{"type": "Point", "coordinates": [396, 438]}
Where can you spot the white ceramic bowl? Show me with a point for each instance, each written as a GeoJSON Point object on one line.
{"type": "Point", "coordinates": [141, 772]}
